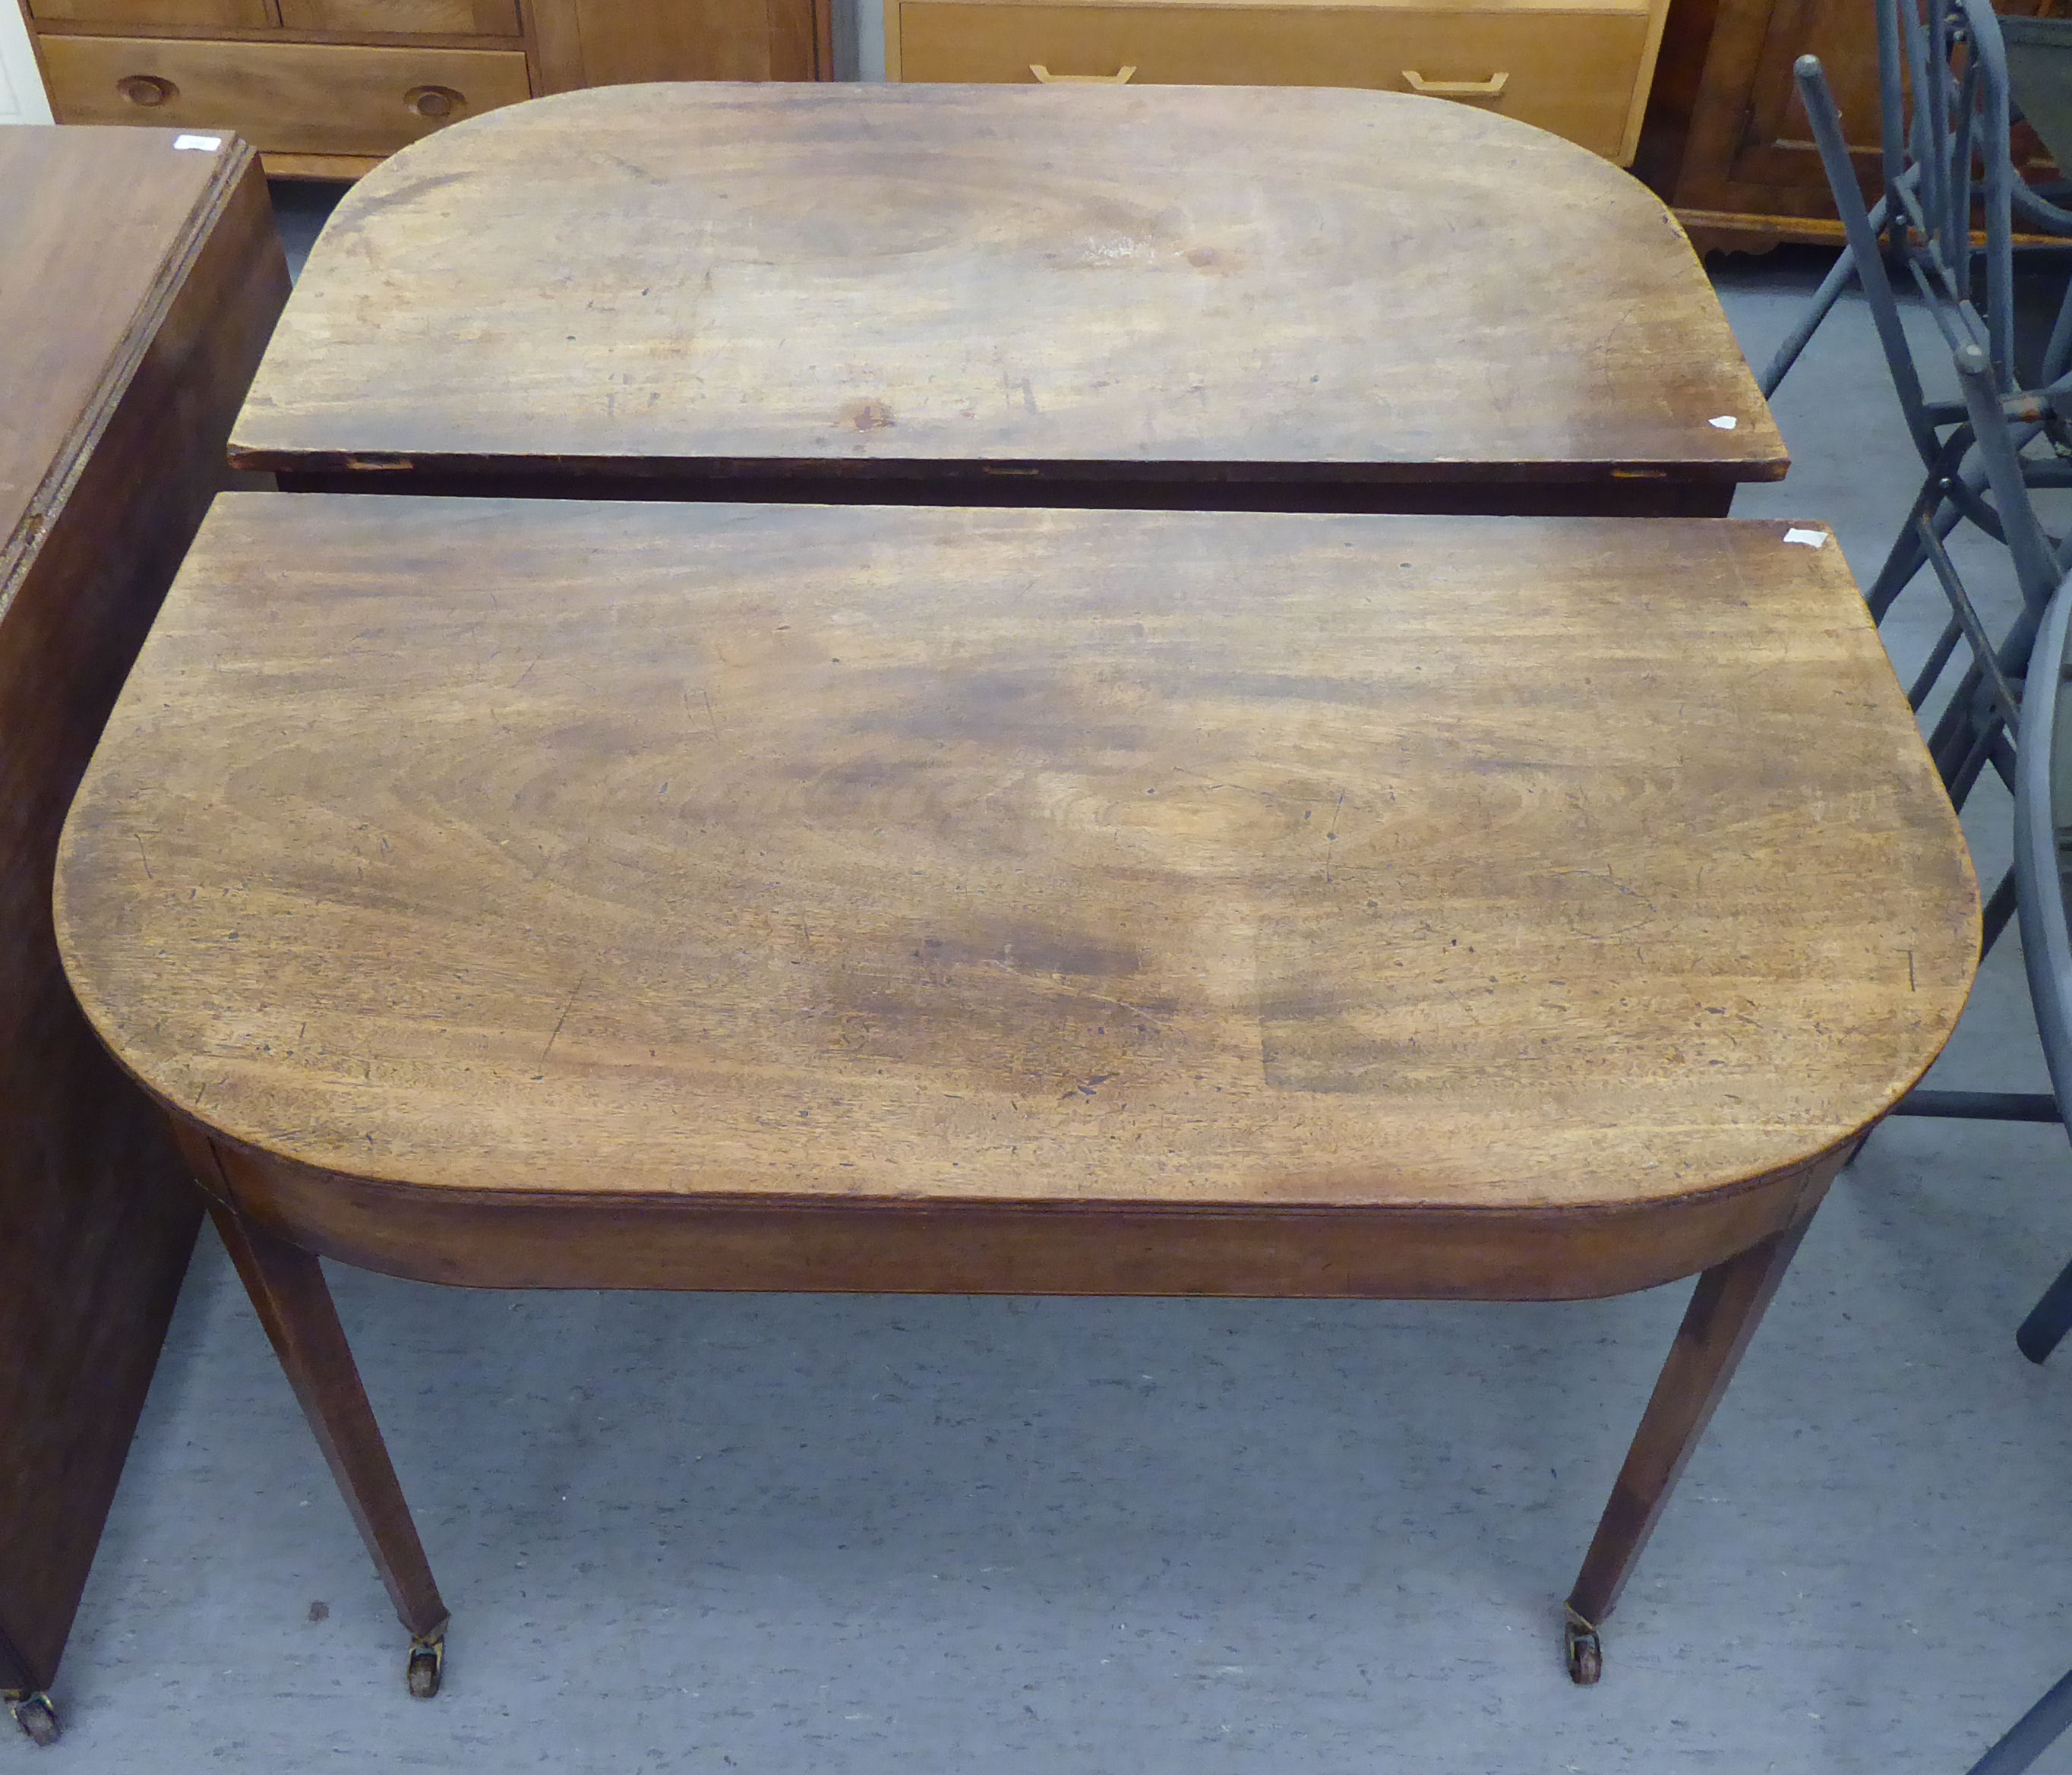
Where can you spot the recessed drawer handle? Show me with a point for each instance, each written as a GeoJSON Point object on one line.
{"type": "Point", "coordinates": [1119, 78]}
{"type": "Point", "coordinates": [147, 89]}
{"type": "Point", "coordinates": [1455, 89]}
{"type": "Point", "coordinates": [433, 101]}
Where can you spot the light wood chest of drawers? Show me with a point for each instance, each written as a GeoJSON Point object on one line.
{"type": "Point", "coordinates": [1578, 68]}
{"type": "Point", "coordinates": [327, 87]}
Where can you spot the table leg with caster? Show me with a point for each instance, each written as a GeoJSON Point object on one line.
{"type": "Point", "coordinates": [288, 1292]}
{"type": "Point", "coordinates": [427, 1664]}
{"type": "Point", "coordinates": [34, 1715]}
{"type": "Point", "coordinates": [1725, 1308]}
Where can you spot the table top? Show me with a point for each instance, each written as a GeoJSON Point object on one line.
{"type": "Point", "coordinates": [78, 303]}
{"type": "Point", "coordinates": [849, 278]}
{"type": "Point", "coordinates": [786, 854]}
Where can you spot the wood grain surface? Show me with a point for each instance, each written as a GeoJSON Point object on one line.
{"type": "Point", "coordinates": [866, 858]}
{"type": "Point", "coordinates": [1175, 287]}
{"type": "Point", "coordinates": [137, 288]}
{"type": "Point", "coordinates": [62, 285]}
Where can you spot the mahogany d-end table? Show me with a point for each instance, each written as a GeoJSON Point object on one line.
{"type": "Point", "coordinates": [543, 894]}
{"type": "Point", "coordinates": [1269, 298]}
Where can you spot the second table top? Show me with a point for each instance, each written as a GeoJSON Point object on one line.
{"type": "Point", "coordinates": [786, 853]}
{"type": "Point", "coordinates": [1213, 284]}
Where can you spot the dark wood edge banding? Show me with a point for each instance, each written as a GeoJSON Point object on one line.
{"type": "Point", "coordinates": [548, 465]}
{"type": "Point", "coordinates": [1160, 472]}
{"type": "Point", "coordinates": [1638, 494]}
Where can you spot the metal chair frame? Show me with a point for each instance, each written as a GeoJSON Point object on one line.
{"type": "Point", "coordinates": [1933, 147]}
{"type": "Point", "coordinates": [2040, 778]}
{"type": "Point", "coordinates": [2032, 1735]}
{"type": "Point", "coordinates": [1945, 158]}
{"type": "Point", "coordinates": [2042, 837]}
{"type": "Point", "coordinates": [1951, 154]}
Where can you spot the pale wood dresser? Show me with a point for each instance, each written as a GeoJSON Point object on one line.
{"type": "Point", "coordinates": [1581, 68]}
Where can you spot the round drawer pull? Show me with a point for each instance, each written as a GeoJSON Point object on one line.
{"type": "Point", "coordinates": [433, 101]}
{"type": "Point", "coordinates": [147, 89]}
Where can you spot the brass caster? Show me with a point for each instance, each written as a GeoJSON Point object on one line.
{"type": "Point", "coordinates": [1585, 1650]}
{"type": "Point", "coordinates": [427, 1664]}
{"type": "Point", "coordinates": [34, 1715]}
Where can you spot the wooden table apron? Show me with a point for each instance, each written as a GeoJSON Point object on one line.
{"type": "Point", "coordinates": [555, 894]}
{"type": "Point", "coordinates": [1174, 297]}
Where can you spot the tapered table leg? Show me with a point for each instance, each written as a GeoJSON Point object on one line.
{"type": "Point", "coordinates": [1725, 1308]}
{"type": "Point", "coordinates": [287, 1287]}
{"type": "Point", "coordinates": [23, 1696]}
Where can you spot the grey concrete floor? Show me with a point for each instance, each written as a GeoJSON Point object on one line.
{"type": "Point", "coordinates": [879, 1535]}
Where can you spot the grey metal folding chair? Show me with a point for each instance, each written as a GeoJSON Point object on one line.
{"type": "Point", "coordinates": [1927, 152]}
{"type": "Point", "coordinates": [1946, 159]}
{"type": "Point", "coordinates": [2043, 848]}
{"type": "Point", "coordinates": [1948, 165]}
{"type": "Point", "coordinates": [2043, 837]}
{"type": "Point", "coordinates": [2024, 685]}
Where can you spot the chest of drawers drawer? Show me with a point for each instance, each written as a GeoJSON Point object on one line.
{"type": "Point", "coordinates": [283, 98]}
{"type": "Point", "coordinates": [431, 18]}
{"type": "Point", "coordinates": [1579, 71]}
{"type": "Point", "coordinates": [327, 88]}
{"type": "Point", "coordinates": [147, 15]}
{"type": "Point", "coordinates": [341, 17]}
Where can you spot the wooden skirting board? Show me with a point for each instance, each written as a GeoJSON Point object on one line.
{"type": "Point", "coordinates": [1713, 231]}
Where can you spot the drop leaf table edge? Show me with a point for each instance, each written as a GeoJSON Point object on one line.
{"type": "Point", "coordinates": [1172, 298]}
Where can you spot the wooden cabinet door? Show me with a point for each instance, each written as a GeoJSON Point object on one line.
{"type": "Point", "coordinates": [1727, 130]}
{"type": "Point", "coordinates": [1776, 148]}
{"type": "Point", "coordinates": [630, 41]}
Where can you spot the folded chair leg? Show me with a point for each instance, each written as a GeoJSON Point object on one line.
{"type": "Point", "coordinates": [1830, 292]}
{"type": "Point", "coordinates": [2047, 1321]}
{"type": "Point", "coordinates": [2035, 565]}
{"type": "Point", "coordinates": [1904, 559]}
{"type": "Point", "coordinates": [1863, 247]}
{"type": "Point", "coordinates": [1930, 674]}
{"type": "Point", "coordinates": [1957, 748]}
{"type": "Point", "coordinates": [1998, 911]}
{"type": "Point", "coordinates": [2060, 347]}
{"type": "Point", "coordinates": [2032, 1735]}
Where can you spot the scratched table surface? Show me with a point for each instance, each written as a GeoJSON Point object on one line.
{"type": "Point", "coordinates": [1053, 294]}
{"type": "Point", "coordinates": [913, 856]}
